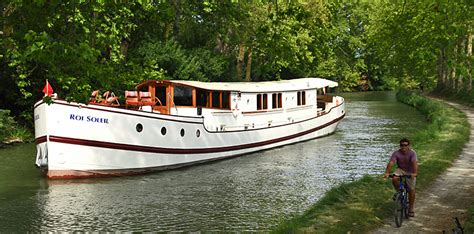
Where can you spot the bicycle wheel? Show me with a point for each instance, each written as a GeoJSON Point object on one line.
{"type": "Point", "coordinates": [399, 210]}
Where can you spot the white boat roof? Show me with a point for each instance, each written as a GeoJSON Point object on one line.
{"type": "Point", "coordinates": [264, 86]}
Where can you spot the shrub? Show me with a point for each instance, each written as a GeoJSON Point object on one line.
{"type": "Point", "coordinates": [6, 124]}
{"type": "Point", "coordinates": [10, 131]}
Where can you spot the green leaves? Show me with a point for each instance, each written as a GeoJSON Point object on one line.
{"type": "Point", "coordinates": [174, 62]}
{"type": "Point", "coordinates": [7, 124]}
{"type": "Point", "coordinates": [80, 45]}
{"type": "Point", "coordinates": [410, 36]}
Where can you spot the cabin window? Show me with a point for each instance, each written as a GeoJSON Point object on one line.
{"type": "Point", "coordinates": [139, 127]}
{"type": "Point", "coordinates": [214, 99]}
{"type": "Point", "coordinates": [225, 100]}
{"type": "Point", "coordinates": [202, 98]}
{"type": "Point", "coordinates": [160, 93]}
{"type": "Point", "coordinates": [216, 102]}
{"type": "Point", "coordinates": [320, 92]}
{"type": "Point", "coordinates": [265, 101]}
{"type": "Point", "coordinates": [262, 101]}
{"type": "Point", "coordinates": [183, 96]}
{"type": "Point", "coordinates": [259, 101]}
{"type": "Point", "coordinates": [301, 98]}
{"type": "Point", "coordinates": [280, 103]}
{"type": "Point", "coordinates": [276, 100]}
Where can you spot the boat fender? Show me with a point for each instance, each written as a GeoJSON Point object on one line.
{"type": "Point", "coordinates": [41, 155]}
{"type": "Point", "coordinates": [235, 111]}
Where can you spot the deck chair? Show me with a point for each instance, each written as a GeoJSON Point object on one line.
{"type": "Point", "coordinates": [131, 98]}
{"type": "Point", "coordinates": [94, 96]}
{"type": "Point", "coordinates": [145, 99]}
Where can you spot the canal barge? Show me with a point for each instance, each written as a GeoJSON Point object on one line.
{"type": "Point", "coordinates": [165, 124]}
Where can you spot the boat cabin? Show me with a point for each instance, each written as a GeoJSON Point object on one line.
{"type": "Point", "coordinates": [169, 96]}
{"type": "Point", "coordinates": [192, 98]}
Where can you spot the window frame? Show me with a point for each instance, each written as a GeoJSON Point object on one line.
{"type": "Point", "coordinates": [276, 100]}
{"type": "Point", "coordinates": [262, 101]}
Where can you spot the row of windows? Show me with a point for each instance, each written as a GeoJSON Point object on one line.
{"type": "Point", "coordinates": [262, 101]}
{"type": "Point", "coordinates": [183, 96]}
{"type": "Point", "coordinates": [214, 99]}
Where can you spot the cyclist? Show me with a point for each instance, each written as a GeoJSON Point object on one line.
{"type": "Point", "coordinates": [406, 160]}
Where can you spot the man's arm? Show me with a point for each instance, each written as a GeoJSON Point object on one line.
{"type": "Point", "coordinates": [388, 169]}
{"type": "Point", "coordinates": [414, 165]}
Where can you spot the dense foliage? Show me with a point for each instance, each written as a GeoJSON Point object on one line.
{"type": "Point", "coordinates": [10, 132]}
{"type": "Point", "coordinates": [364, 45]}
{"type": "Point", "coordinates": [6, 124]}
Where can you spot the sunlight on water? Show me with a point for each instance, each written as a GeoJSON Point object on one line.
{"type": "Point", "coordinates": [248, 193]}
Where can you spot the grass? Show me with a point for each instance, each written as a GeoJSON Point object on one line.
{"type": "Point", "coordinates": [20, 134]}
{"type": "Point", "coordinates": [362, 205]}
{"type": "Point", "coordinates": [469, 224]}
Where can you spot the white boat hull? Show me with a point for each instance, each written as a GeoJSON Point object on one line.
{"type": "Point", "coordinates": [75, 140]}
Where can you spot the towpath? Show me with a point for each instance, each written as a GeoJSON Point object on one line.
{"type": "Point", "coordinates": [450, 195]}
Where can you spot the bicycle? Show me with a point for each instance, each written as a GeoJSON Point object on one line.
{"type": "Point", "coordinates": [401, 200]}
{"type": "Point", "coordinates": [459, 228]}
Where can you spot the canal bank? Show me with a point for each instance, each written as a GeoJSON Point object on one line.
{"type": "Point", "coordinates": [366, 204]}
{"type": "Point", "coordinates": [450, 196]}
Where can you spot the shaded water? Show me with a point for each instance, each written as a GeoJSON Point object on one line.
{"type": "Point", "coordinates": [253, 192]}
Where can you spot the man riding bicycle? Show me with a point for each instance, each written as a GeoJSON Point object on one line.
{"type": "Point", "coordinates": [406, 160]}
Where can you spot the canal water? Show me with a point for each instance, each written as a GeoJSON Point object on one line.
{"type": "Point", "coordinates": [249, 193]}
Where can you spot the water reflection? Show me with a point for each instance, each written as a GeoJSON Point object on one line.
{"type": "Point", "coordinates": [249, 193]}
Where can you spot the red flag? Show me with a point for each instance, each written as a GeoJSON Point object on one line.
{"type": "Point", "coordinates": [47, 90]}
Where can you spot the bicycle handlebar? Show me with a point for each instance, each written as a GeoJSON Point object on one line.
{"type": "Point", "coordinates": [393, 175]}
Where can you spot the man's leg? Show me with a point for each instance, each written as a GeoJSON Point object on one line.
{"type": "Point", "coordinates": [396, 182]}
{"type": "Point", "coordinates": [411, 198]}
{"type": "Point", "coordinates": [411, 182]}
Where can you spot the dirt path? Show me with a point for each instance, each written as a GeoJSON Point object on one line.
{"type": "Point", "coordinates": [450, 196]}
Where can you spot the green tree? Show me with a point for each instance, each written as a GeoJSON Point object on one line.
{"type": "Point", "coordinates": [424, 44]}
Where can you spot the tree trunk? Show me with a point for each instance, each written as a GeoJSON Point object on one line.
{"type": "Point", "coordinates": [7, 28]}
{"type": "Point", "coordinates": [124, 45]}
{"type": "Point", "coordinates": [455, 84]}
{"type": "Point", "coordinates": [240, 61]}
{"type": "Point", "coordinates": [249, 66]}
{"type": "Point", "coordinates": [469, 65]}
{"type": "Point", "coordinates": [93, 30]}
{"type": "Point", "coordinates": [177, 16]}
{"type": "Point", "coordinates": [460, 50]}
{"type": "Point", "coordinates": [442, 81]}
{"type": "Point", "coordinates": [456, 87]}
{"type": "Point", "coordinates": [168, 29]}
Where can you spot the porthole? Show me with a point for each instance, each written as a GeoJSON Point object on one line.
{"type": "Point", "coordinates": [163, 131]}
{"type": "Point", "coordinates": [139, 127]}
{"type": "Point", "coordinates": [198, 133]}
{"type": "Point", "coordinates": [182, 132]}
